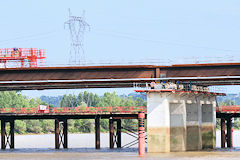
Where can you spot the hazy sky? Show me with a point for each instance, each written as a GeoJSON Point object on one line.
{"type": "Point", "coordinates": [126, 30]}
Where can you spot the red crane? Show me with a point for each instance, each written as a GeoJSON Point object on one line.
{"type": "Point", "coordinates": [22, 56]}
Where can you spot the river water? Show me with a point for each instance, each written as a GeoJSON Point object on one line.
{"type": "Point", "coordinates": [81, 146]}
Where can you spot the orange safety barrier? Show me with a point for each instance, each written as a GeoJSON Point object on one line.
{"type": "Point", "coordinates": [22, 55]}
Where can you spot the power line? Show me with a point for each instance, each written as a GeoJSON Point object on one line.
{"type": "Point", "coordinates": [135, 37]}
{"type": "Point", "coordinates": [34, 36]}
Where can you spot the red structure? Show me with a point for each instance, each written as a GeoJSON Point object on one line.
{"type": "Point", "coordinates": [21, 56]}
{"type": "Point", "coordinates": [141, 134]}
{"type": "Point", "coordinates": [74, 110]}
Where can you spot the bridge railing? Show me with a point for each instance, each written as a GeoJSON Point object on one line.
{"type": "Point", "coordinates": [74, 110]}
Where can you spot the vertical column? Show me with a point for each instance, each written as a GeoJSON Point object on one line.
{"type": "Point", "coordinates": [12, 134]}
{"type": "Point", "coordinates": [229, 133]}
{"type": "Point", "coordinates": [65, 133]}
{"type": "Point", "coordinates": [3, 134]}
{"type": "Point", "coordinates": [111, 133]}
{"type": "Point", "coordinates": [208, 128]}
{"type": "Point", "coordinates": [141, 134]}
{"type": "Point", "coordinates": [119, 138]}
{"type": "Point", "coordinates": [223, 135]}
{"type": "Point", "coordinates": [57, 131]}
{"type": "Point", "coordinates": [97, 133]}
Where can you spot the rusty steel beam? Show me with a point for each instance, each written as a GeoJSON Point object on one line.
{"type": "Point", "coordinates": [229, 133]}
{"type": "Point", "coordinates": [97, 132]}
{"type": "Point", "coordinates": [37, 78]}
{"type": "Point", "coordinates": [119, 134]}
{"type": "Point", "coordinates": [12, 137]}
{"type": "Point", "coordinates": [65, 133]}
{"type": "Point", "coordinates": [223, 134]}
{"type": "Point", "coordinates": [57, 132]}
{"type": "Point", "coordinates": [3, 134]}
{"type": "Point", "coordinates": [111, 133]}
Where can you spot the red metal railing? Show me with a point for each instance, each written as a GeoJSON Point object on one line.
{"type": "Point", "coordinates": [98, 110]}
{"type": "Point", "coordinates": [228, 109]}
{"type": "Point", "coordinates": [75, 110]}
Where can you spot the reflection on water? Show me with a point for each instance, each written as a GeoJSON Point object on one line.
{"type": "Point", "coordinates": [81, 146]}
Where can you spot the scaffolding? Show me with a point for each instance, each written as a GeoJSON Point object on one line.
{"type": "Point", "coordinates": [21, 57]}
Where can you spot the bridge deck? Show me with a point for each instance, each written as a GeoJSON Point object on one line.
{"type": "Point", "coordinates": [116, 76]}
{"type": "Point", "coordinates": [72, 112]}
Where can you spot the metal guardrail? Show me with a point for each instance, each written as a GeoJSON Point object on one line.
{"type": "Point", "coordinates": [75, 110]}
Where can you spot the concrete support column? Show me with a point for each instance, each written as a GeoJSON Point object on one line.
{"type": "Point", "coordinates": [223, 134]}
{"type": "Point", "coordinates": [209, 125]}
{"type": "Point", "coordinates": [97, 133]}
{"type": "Point", "coordinates": [119, 136]}
{"type": "Point", "coordinates": [229, 133]}
{"type": "Point", "coordinates": [111, 133]}
{"type": "Point", "coordinates": [180, 121]}
{"type": "Point", "coordinates": [193, 128]}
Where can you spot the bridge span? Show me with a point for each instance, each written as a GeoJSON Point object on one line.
{"type": "Point", "coordinates": [61, 116]}
{"type": "Point", "coordinates": [117, 76]}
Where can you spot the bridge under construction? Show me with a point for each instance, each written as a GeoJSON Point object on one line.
{"type": "Point", "coordinates": [181, 110]}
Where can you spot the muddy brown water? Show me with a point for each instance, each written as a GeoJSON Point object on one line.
{"type": "Point", "coordinates": [81, 146]}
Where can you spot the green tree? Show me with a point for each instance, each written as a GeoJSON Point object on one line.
{"type": "Point", "coordinates": [83, 125]}
{"type": "Point", "coordinates": [20, 126]}
{"type": "Point", "coordinates": [34, 126]}
{"type": "Point", "coordinates": [47, 126]}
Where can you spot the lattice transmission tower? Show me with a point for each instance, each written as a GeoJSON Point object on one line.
{"type": "Point", "coordinates": [77, 27]}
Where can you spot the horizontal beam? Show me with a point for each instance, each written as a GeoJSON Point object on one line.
{"type": "Point", "coordinates": [93, 116]}
{"type": "Point", "coordinates": [116, 76]}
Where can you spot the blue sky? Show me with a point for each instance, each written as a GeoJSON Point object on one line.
{"type": "Point", "coordinates": [125, 30]}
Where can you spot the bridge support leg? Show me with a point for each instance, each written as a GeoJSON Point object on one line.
{"type": "Point", "coordinates": [7, 138]}
{"type": "Point", "coordinates": [61, 133]}
{"type": "Point", "coordinates": [3, 134]}
{"type": "Point", "coordinates": [119, 136]}
{"type": "Point", "coordinates": [141, 134]}
{"type": "Point", "coordinates": [65, 133]}
{"type": "Point", "coordinates": [57, 132]}
{"type": "Point", "coordinates": [97, 133]}
{"type": "Point", "coordinates": [229, 133]}
{"type": "Point", "coordinates": [111, 133]}
{"type": "Point", "coordinates": [223, 134]}
{"type": "Point", "coordinates": [12, 134]}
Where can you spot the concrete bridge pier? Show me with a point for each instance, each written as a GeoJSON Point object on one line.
{"type": "Point", "coordinates": [114, 137]}
{"type": "Point", "coordinates": [7, 139]}
{"type": "Point", "coordinates": [180, 121]}
{"type": "Point", "coordinates": [61, 133]}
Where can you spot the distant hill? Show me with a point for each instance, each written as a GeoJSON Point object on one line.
{"type": "Point", "coordinates": [229, 99]}
{"type": "Point", "coordinates": [52, 100]}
